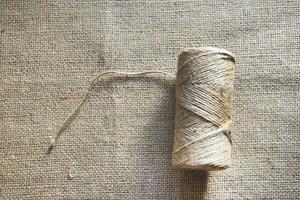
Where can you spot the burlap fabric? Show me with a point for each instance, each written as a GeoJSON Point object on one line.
{"type": "Point", "coordinates": [119, 146]}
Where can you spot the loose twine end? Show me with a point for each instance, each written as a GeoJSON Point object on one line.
{"type": "Point", "coordinates": [100, 77]}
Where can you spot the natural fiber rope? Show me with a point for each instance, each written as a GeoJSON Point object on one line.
{"type": "Point", "coordinates": [99, 78]}
{"type": "Point", "coordinates": [204, 85]}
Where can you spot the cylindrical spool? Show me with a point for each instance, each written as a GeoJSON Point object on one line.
{"type": "Point", "coordinates": [204, 87]}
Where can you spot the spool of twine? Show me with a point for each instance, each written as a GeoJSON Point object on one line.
{"type": "Point", "coordinates": [204, 86]}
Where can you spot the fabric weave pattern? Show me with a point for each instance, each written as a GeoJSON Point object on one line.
{"type": "Point", "coordinates": [120, 144]}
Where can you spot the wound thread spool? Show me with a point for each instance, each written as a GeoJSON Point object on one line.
{"type": "Point", "coordinates": [204, 87]}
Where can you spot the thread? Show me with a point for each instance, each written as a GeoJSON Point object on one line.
{"type": "Point", "coordinates": [204, 86]}
{"type": "Point", "coordinates": [109, 74]}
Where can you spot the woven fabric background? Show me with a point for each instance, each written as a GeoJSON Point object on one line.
{"type": "Point", "coordinates": [119, 145]}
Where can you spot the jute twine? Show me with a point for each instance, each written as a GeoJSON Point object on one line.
{"type": "Point", "coordinates": [204, 86]}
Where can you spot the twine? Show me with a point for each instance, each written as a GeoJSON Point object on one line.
{"type": "Point", "coordinates": [204, 86]}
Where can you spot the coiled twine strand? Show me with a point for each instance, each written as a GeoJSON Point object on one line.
{"type": "Point", "coordinates": [204, 86]}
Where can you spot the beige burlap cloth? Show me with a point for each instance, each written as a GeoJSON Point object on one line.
{"type": "Point", "coordinates": [120, 145]}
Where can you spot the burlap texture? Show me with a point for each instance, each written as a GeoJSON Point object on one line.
{"type": "Point", "coordinates": [119, 146]}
